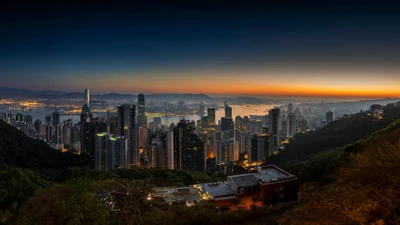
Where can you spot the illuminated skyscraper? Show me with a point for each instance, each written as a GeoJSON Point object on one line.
{"type": "Point", "coordinates": [141, 117]}
{"type": "Point", "coordinates": [290, 108]}
{"type": "Point", "coordinates": [210, 117]}
{"type": "Point", "coordinates": [188, 148]}
{"type": "Point", "coordinates": [86, 97]}
{"type": "Point", "coordinates": [228, 111]}
{"type": "Point", "coordinates": [291, 125]}
{"type": "Point", "coordinates": [56, 118]}
{"type": "Point", "coordinates": [127, 127]}
{"type": "Point", "coordinates": [201, 109]}
{"type": "Point", "coordinates": [274, 124]}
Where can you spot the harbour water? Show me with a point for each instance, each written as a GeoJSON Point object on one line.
{"type": "Point", "coordinates": [241, 110]}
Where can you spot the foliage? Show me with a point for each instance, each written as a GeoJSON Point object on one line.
{"type": "Point", "coordinates": [366, 186]}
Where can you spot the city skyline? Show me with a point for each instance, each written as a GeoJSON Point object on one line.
{"type": "Point", "coordinates": [291, 49]}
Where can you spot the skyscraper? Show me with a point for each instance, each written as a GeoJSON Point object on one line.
{"type": "Point", "coordinates": [141, 117]}
{"type": "Point", "coordinates": [329, 117]}
{"type": "Point", "coordinates": [291, 125]}
{"type": "Point", "coordinates": [274, 122]}
{"type": "Point", "coordinates": [201, 109]}
{"type": "Point", "coordinates": [290, 108]}
{"type": "Point", "coordinates": [210, 117]}
{"type": "Point", "coordinates": [189, 151]}
{"type": "Point", "coordinates": [228, 111]}
{"type": "Point", "coordinates": [126, 126]}
{"type": "Point", "coordinates": [86, 97]}
{"type": "Point", "coordinates": [56, 118]}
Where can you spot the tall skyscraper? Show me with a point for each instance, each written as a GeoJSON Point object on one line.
{"type": "Point", "coordinates": [56, 118]}
{"type": "Point", "coordinates": [292, 128]}
{"type": "Point", "coordinates": [210, 117]}
{"type": "Point", "coordinates": [290, 108]}
{"type": "Point", "coordinates": [329, 117]}
{"type": "Point", "coordinates": [274, 124]}
{"type": "Point", "coordinates": [141, 117]}
{"type": "Point", "coordinates": [227, 123]}
{"type": "Point", "coordinates": [86, 97]}
{"type": "Point", "coordinates": [127, 127]}
{"type": "Point", "coordinates": [201, 109]}
{"type": "Point", "coordinates": [189, 151]}
{"type": "Point", "coordinates": [228, 111]}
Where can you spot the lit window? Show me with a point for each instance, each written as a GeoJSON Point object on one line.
{"type": "Point", "coordinates": [281, 188]}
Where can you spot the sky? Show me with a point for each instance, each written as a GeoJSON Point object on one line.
{"type": "Point", "coordinates": [333, 49]}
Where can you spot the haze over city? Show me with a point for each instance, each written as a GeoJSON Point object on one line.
{"type": "Point", "coordinates": [308, 50]}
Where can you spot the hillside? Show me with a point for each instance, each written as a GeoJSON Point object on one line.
{"type": "Point", "coordinates": [336, 134]}
{"type": "Point", "coordinates": [365, 187]}
{"type": "Point", "coordinates": [18, 149]}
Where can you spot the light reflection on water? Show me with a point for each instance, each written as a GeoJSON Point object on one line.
{"type": "Point", "coordinates": [241, 110]}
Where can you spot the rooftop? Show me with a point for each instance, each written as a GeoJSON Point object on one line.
{"type": "Point", "coordinates": [244, 180]}
{"type": "Point", "coordinates": [270, 174]}
{"type": "Point", "coordinates": [217, 189]}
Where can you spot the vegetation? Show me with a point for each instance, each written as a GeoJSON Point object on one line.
{"type": "Point", "coordinates": [364, 189]}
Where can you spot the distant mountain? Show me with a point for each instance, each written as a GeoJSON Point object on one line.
{"type": "Point", "coordinates": [49, 94]}
{"type": "Point", "coordinates": [18, 149]}
{"type": "Point", "coordinates": [241, 100]}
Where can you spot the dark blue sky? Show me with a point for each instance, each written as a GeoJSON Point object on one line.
{"type": "Point", "coordinates": [132, 48]}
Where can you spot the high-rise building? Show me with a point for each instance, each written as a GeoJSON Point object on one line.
{"type": "Point", "coordinates": [56, 118]}
{"type": "Point", "coordinates": [228, 111]}
{"type": "Point", "coordinates": [290, 108]}
{"type": "Point", "coordinates": [38, 126]}
{"type": "Point", "coordinates": [291, 124]}
{"type": "Point", "coordinates": [19, 117]}
{"type": "Point", "coordinates": [245, 125]}
{"type": "Point", "coordinates": [85, 109]}
{"type": "Point", "coordinates": [127, 127]}
{"type": "Point", "coordinates": [274, 126]}
{"type": "Point", "coordinates": [170, 150]}
{"type": "Point", "coordinates": [238, 123]}
{"type": "Point", "coordinates": [86, 97]}
{"type": "Point", "coordinates": [210, 117]}
{"type": "Point", "coordinates": [189, 151]}
{"type": "Point", "coordinates": [227, 123]}
{"type": "Point", "coordinates": [88, 130]}
{"type": "Point", "coordinates": [141, 117]}
{"type": "Point", "coordinates": [329, 117]}
{"type": "Point", "coordinates": [201, 109]}
{"type": "Point", "coordinates": [157, 120]}
{"type": "Point", "coordinates": [28, 119]}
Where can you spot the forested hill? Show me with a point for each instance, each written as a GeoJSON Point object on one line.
{"type": "Point", "coordinates": [364, 187]}
{"type": "Point", "coordinates": [18, 149]}
{"type": "Point", "coordinates": [336, 134]}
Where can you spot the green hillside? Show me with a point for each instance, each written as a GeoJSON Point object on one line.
{"type": "Point", "coordinates": [364, 187]}
{"type": "Point", "coordinates": [18, 149]}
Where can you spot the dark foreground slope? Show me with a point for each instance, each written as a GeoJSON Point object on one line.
{"type": "Point", "coordinates": [336, 134]}
{"type": "Point", "coordinates": [365, 187]}
{"type": "Point", "coordinates": [18, 149]}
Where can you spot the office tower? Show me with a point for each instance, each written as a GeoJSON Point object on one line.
{"type": "Point", "coordinates": [252, 148]}
{"type": "Point", "coordinates": [100, 156]}
{"type": "Point", "coordinates": [66, 135]}
{"type": "Point", "coordinates": [284, 130]}
{"type": "Point", "coordinates": [291, 124]}
{"type": "Point", "coordinates": [188, 148]}
{"type": "Point", "coordinates": [228, 111]}
{"type": "Point", "coordinates": [49, 133]}
{"type": "Point", "coordinates": [19, 117]}
{"type": "Point", "coordinates": [88, 130]}
{"type": "Point", "coordinates": [201, 109]}
{"type": "Point", "coordinates": [226, 150]}
{"type": "Point", "coordinates": [38, 126]}
{"type": "Point", "coordinates": [28, 119]}
{"type": "Point", "coordinates": [57, 135]}
{"type": "Point", "coordinates": [239, 123]}
{"type": "Point", "coordinates": [290, 108]}
{"type": "Point", "coordinates": [141, 117]}
{"type": "Point", "coordinates": [56, 118]}
{"type": "Point", "coordinates": [86, 97]}
{"type": "Point", "coordinates": [170, 150]}
{"type": "Point", "coordinates": [227, 124]}
{"type": "Point", "coordinates": [126, 126]}
{"type": "Point", "coordinates": [210, 117]}
{"type": "Point", "coordinates": [85, 109]}
{"type": "Point", "coordinates": [274, 117]}
{"type": "Point", "coordinates": [329, 117]}
{"type": "Point", "coordinates": [263, 147]}
{"type": "Point", "coordinates": [245, 125]}
{"type": "Point", "coordinates": [161, 153]}
{"type": "Point", "coordinates": [111, 152]}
